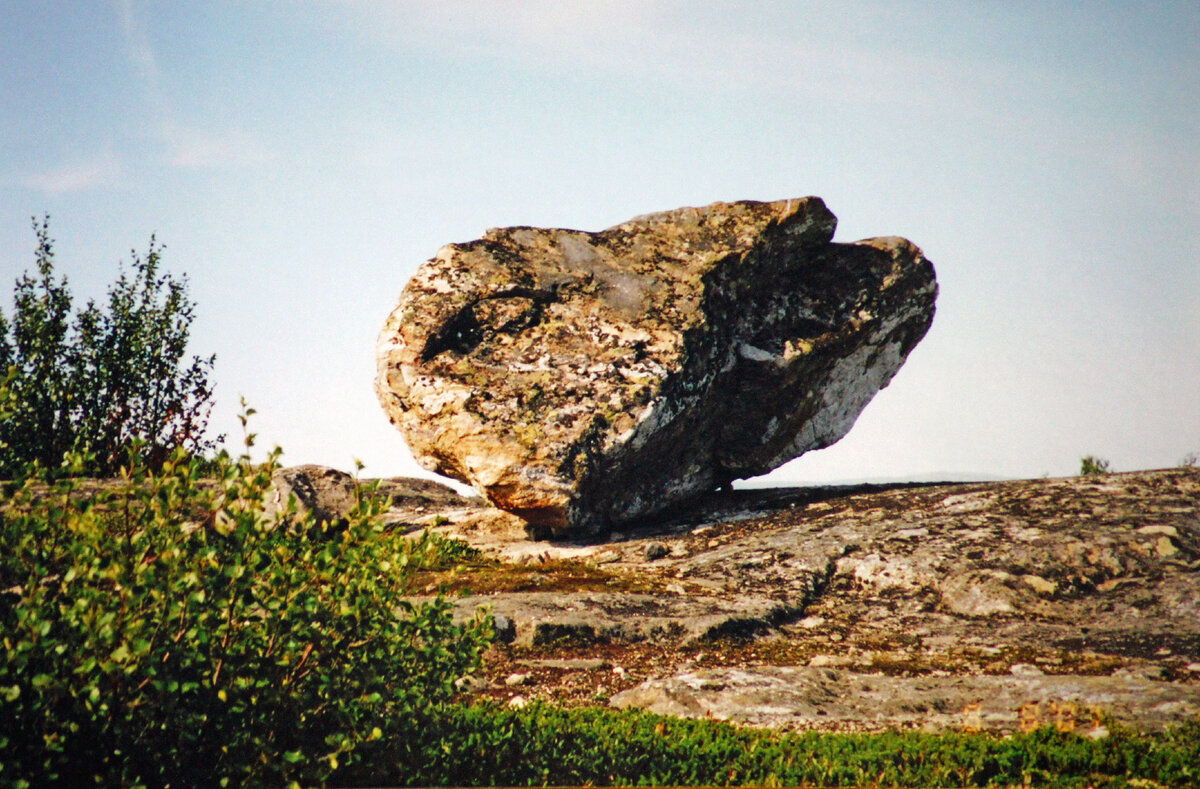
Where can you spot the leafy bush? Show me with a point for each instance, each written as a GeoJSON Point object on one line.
{"type": "Point", "coordinates": [1094, 466]}
{"type": "Point", "coordinates": [94, 381]}
{"type": "Point", "coordinates": [170, 632]}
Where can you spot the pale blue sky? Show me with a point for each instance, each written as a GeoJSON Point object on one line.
{"type": "Point", "coordinates": [300, 159]}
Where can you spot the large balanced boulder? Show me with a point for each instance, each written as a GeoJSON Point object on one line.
{"type": "Point", "coordinates": [581, 380]}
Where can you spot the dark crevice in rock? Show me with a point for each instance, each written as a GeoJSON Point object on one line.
{"type": "Point", "coordinates": [460, 333]}
{"type": "Point", "coordinates": [510, 311]}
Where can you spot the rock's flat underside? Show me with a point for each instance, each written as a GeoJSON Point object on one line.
{"type": "Point", "coordinates": [583, 380]}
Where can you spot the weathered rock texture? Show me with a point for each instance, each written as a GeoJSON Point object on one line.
{"type": "Point", "coordinates": [581, 380]}
{"type": "Point", "coordinates": [331, 495]}
{"type": "Point", "coordinates": [990, 606]}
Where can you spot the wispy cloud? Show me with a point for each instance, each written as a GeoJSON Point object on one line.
{"type": "Point", "coordinates": [677, 44]}
{"type": "Point", "coordinates": [541, 25]}
{"type": "Point", "coordinates": [184, 145]}
{"type": "Point", "coordinates": [611, 35]}
{"type": "Point", "coordinates": [200, 149]}
{"type": "Point", "coordinates": [97, 172]}
{"type": "Point", "coordinates": [138, 47]}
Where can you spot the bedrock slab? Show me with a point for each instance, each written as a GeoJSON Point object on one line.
{"type": "Point", "coordinates": [805, 697]}
{"type": "Point", "coordinates": [989, 605]}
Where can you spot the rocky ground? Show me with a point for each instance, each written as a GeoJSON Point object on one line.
{"type": "Point", "coordinates": [985, 606]}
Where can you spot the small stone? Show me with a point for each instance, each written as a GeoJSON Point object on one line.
{"type": "Point", "coordinates": [1194, 667]}
{"type": "Point", "coordinates": [1025, 670]}
{"type": "Point", "coordinates": [518, 702]}
{"type": "Point", "coordinates": [1158, 528]}
{"type": "Point", "coordinates": [1165, 547]}
{"type": "Point", "coordinates": [325, 492]}
{"type": "Point", "coordinates": [506, 629]}
{"type": "Point", "coordinates": [471, 684]}
{"type": "Point", "coordinates": [656, 550]}
{"type": "Point", "coordinates": [1153, 673]}
{"type": "Point", "coordinates": [1039, 584]}
{"type": "Point", "coordinates": [514, 680]}
{"type": "Point", "coordinates": [810, 622]}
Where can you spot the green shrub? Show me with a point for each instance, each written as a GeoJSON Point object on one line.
{"type": "Point", "coordinates": [540, 745]}
{"type": "Point", "coordinates": [1091, 465]}
{"type": "Point", "coordinates": [170, 632]}
{"type": "Point", "coordinates": [93, 381]}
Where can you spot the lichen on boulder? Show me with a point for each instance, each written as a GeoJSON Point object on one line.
{"type": "Point", "coordinates": [583, 380]}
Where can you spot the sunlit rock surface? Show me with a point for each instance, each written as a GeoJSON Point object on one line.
{"type": "Point", "coordinates": [583, 380]}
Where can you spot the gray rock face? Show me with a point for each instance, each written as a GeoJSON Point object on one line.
{"type": "Point", "coordinates": [801, 697]}
{"type": "Point", "coordinates": [330, 495]}
{"type": "Point", "coordinates": [582, 380]}
{"type": "Point", "coordinates": [992, 606]}
{"type": "Point", "coordinates": [325, 492]}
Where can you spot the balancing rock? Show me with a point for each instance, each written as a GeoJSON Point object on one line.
{"type": "Point", "coordinates": [582, 380]}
